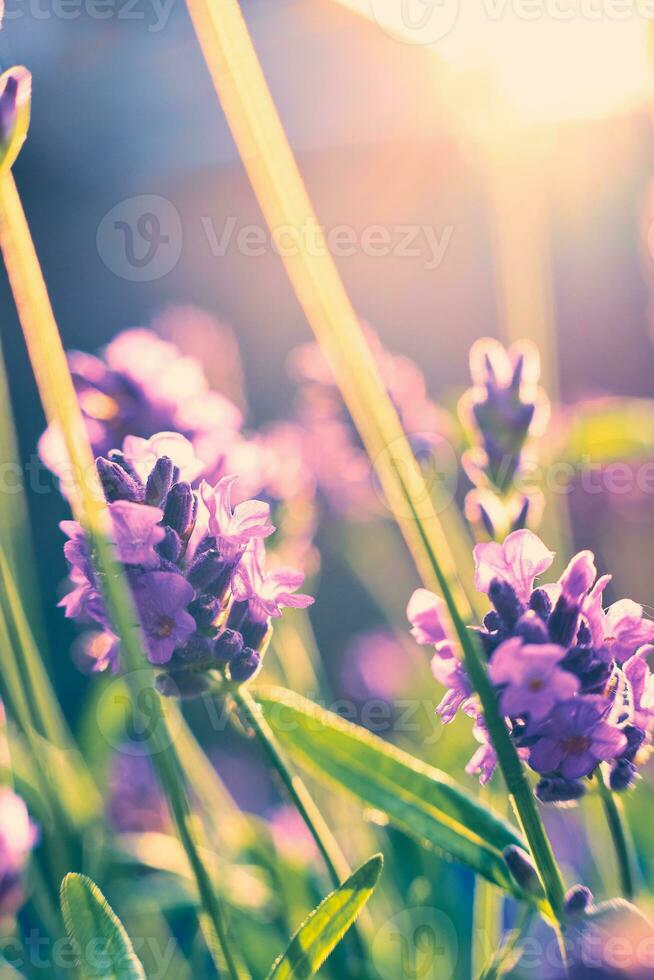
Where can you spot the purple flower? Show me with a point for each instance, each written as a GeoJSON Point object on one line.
{"type": "Point", "coordinates": [18, 836]}
{"type": "Point", "coordinates": [534, 681]}
{"type": "Point", "coordinates": [94, 652]}
{"type": "Point", "coordinates": [85, 600]}
{"type": "Point", "coordinates": [504, 406]}
{"type": "Point", "coordinates": [428, 616]}
{"type": "Point", "coordinates": [137, 531]}
{"type": "Point", "coordinates": [577, 580]}
{"type": "Point", "coordinates": [266, 592]}
{"type": "Point", "coordinates": [517, 562]}
{"type": "Point", "coordinates": [450, 672]}
{"type": "Point", "coordinates": [143, 385]}
{"type": "Point", "coordinates": [576, 737]}
{"type": "Point", "coordinates": [234, 527]}
{"type": "Point", "coordinates": [162, 599]}
{"type": "Point", "coordinates": [484, 761]}
{"type": "Point", "coordinates": [143, 454]}
{"type": "Point", "coordinates": [641, 683]}
{"type": "Point", "coordinates": [135, 803]}
{"type": "Point", "coordinates": [626, 629]}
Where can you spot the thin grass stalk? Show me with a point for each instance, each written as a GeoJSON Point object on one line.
{"type": "Point", "coordinates": [61, 407]}
{"type": "Point", "coordinates": [277, 182]}
{"type": "Point", "coordinates": [255, 125]}
{"type": "Point", "coordinates": [335, 861]}
{"type": "Point", "coordinates": [623, 846]}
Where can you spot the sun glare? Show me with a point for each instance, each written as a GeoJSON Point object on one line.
{"type": "Point", "coordinates": [547, 59]}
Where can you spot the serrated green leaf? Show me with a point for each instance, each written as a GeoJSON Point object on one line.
{"type": "Point", "coordinates": [105, 948]}
{"type": "Point", "coordinates": [321, 932]}
{"type": "Point", "coordinates": [419, 799]}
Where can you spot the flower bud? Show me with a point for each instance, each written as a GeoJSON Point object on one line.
{"type": "Point", "coordinates": [228, 646]}
{"type": "Point", "coordinates": [159, 483]}
{"type": "Point", "coordinates": [244, 666]}
{"type": "Point", "coordinates": [15, 98]}
{"type": "Point", "coordinates": [522, 868]}
{"type": "Point", "coordinates": [181, 509]}
{"type": "Point", "coordinates": [577, 899]}
{"type": "Point", "coordinates": [117, 483]}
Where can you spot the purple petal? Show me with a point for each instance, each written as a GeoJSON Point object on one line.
{"type": "Point", "coordinates": [518, 561]}
{"type": "Point", "coordinates": [137, 530]}
{"type": "Point", "coordinates": [546, 755]}
{"type": "Point", "coordinates": [427, 614]}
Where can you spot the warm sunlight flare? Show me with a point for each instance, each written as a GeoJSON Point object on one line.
{"type": "Point", "coordinates": [548, 59]}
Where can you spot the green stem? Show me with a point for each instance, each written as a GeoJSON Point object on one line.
{"type": "Point", "coordinates": [327, 844]}
{"type": "Point", "coordinates": [59, 398]}
{"type": "Point", "coordinates": [167, 766]}
{"type": "Point", "coordinates": [520, 793]}
{"type": "Point", "coordinates": [614, 813]}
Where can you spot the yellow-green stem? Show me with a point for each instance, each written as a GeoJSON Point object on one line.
{"type": "Point", "coordinates": [87, 500]}
{"type": "Point", "coordinates": [278, 185]}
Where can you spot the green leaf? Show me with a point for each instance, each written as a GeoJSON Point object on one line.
{"type": "Point", "coordinates": [422, 801]}
{"type": "Point", "coordinates": [321, 932]}
{"type": "Point", "coordinates": [105, 947]}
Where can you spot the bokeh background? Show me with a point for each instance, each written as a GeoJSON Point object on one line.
{"type": "Point", "coordinates": [387, 134]}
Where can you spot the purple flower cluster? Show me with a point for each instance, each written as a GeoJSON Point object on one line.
{"type": "Point", "coordinates": [503, 409]}
{"type": "Point", "coordinates": [572, 678]}
{"type": "Point", "coordinates": [195, 564]}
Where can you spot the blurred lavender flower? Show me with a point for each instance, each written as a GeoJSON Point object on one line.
{"type": "Point", "coordinates": [18, 836]}
{"type": "Point", "coordinates": [336, 456]}
{"type": "Point", "coordinates": [135, 803]}
{"type": "Point", "coordinates": [572, 678]}
{"type": "Point", "coordinates": [375, 666]}
{"type": "Point", "coordinates": [142, 385]}
{"type": "Point", "coordinates": [195, 564]}
{"type": "Point", "coordinates": [503, 409]}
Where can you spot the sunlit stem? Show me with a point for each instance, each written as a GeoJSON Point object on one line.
{"type": "Point", "coordinates": [280, 191]}
{"type": "Point", "coordinates": [61, 407]}
{"type": "Point", "coordinates": [615, 819]}
{"type": "Point", "coordinates": [254, 122]}
{"type": "Point", "coordinates": [335, 860]}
